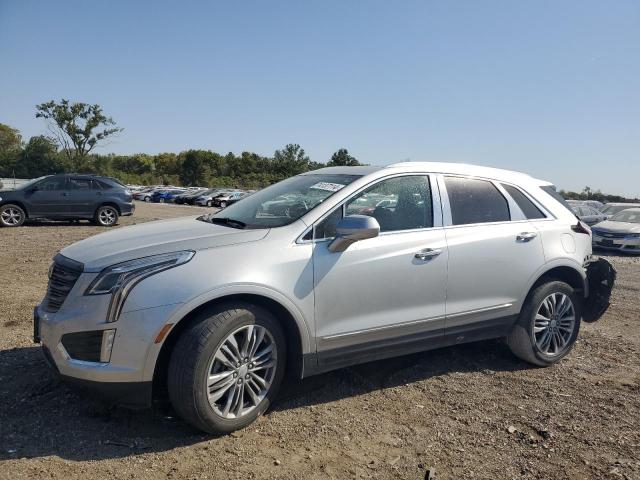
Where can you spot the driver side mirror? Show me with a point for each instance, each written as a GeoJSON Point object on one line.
{"type": "Point", "coordinates": [353, 228]}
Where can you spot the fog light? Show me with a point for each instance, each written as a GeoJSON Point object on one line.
{"type": "Point", "coordinates": [108, 336]}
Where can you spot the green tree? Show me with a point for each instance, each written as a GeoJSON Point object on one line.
{"type": "Point", "coordinates": [39, 157]}
{"type": "Point", "coordinates": [291, 160]}
{"type": "Point", "coordinates": [10, 138]}
{"type": "Point", "coordinates": [77, 127]}
{"type": "Point", "coordinates": [195, 167]}
{"type": "Point", "coordinates": [341, 158]}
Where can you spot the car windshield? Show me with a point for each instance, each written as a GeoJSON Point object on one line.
{"type": "Point", "coordinates": [627, 216]}
{"type": "Point", "coordinates": [613, 209]}
{"type": "Point", "coordinates": [282, 203]}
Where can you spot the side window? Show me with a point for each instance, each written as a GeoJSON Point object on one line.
{"type": "Point", "coordinates": [82, 184]}
{"type": "Point", "coordinates": [400, 203]}
{"type": "Point", "coordinates": [529, 209]}
{"type": "Point", "coordinates": [475, 201]}
{"type": "Point", "coordinates": [53, 184]}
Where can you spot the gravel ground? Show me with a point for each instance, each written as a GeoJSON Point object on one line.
{"type": "Point", "coordinates": [471, 411]}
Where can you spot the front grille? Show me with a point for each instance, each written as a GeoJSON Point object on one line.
{"type": "Point", "coordinates": [64, 274]}
{"type": "Point", "coordinates": [83, 345]}
{"type": "Point", "coordinates": [606, 234]}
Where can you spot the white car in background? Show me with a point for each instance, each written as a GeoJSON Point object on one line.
{"type": "Point", "coordinates": [620, 232]}
{"type": "Point", "coordinates": [612, 208]}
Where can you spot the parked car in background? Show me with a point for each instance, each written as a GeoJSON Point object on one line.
{"type": "Point", "coordinates": [67, 197]}
{"type": "Point", "coordinates": [144, 194]}
{"type": "Point", "coordinates": [206, 200]}
{"type": "Point", "coordinates": [620, 232]}
{"type": "Point", "coordinates": [184, 197]}
{"type": "Point", "coordinates": [612, 208]}
{"type": "Point", "coordinates": [224, 200]}
{"type": "Point", "coordinates": [165, 196]}
{"type": "Point", "coordinates": [217, 309]}
{"type": "Point", "coordinates": [587, 214]}
{"type": "Point", "coordinates": [595, 204]}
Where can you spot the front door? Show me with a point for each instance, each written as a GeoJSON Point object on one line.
{"type": "Point", "coordinates": [384, 295]}
{"type": "Point", "coordinates": [49, 198]}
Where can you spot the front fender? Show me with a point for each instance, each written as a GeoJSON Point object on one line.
{"type": "Point", "coordinates": [182, 310]}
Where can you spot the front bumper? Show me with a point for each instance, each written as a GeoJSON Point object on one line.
{"type": "Point", "coordinates": [627, 244]}
{"type": "Point", "coordinates": [126, 394]}
{"type": "Point", "coordinates": [124, 374]}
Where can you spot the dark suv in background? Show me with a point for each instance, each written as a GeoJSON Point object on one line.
{"type": "Point", "coordinates": [67, 197]}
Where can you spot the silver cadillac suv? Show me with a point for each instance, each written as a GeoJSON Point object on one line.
{"type": "Point", "coordinates": [326, 269]}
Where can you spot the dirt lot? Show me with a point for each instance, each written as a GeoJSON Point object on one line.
{"type": "Point", "coordinates": [472, 411]}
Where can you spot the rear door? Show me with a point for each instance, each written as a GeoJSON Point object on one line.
{"type": "Point", "coordinates": [494, 251]}
{"type": "Point", "coordinates": [49, 198]}
{"type": "Point", "coordinates": [85, 194]}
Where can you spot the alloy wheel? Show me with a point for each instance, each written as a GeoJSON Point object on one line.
{"type": "Point", "coordinates": [11, 216]}
{"type": "Point", "coordinates": [554, 324]}
{"type": "Point", "coordinates": [107, 216]}
{"type": "Point", "coordinates": [241, 371]}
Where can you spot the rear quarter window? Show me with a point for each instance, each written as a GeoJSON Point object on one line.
{"type": "Point", "coordinates": [551, 190]}
{"type": "Point", "coordinates": [531, 212]}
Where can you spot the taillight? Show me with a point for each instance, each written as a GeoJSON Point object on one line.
{"type": "Point", "coordinates": [581, 227]}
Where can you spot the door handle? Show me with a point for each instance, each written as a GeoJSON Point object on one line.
{"type": "Point", "coordinates": [427, 253]}
{"type": "Point", "coordinates": [65, 194]}
{"type": "Point", "coordinates": [526, 236]}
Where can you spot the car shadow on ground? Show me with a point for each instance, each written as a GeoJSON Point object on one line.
{"type": "Point", "coordinates": [42, 417]}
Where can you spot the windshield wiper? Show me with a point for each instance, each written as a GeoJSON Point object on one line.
{"type": "Point", "coordinates": [230, 222]}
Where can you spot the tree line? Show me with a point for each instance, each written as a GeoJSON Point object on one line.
{"type": "Point", "coordinates": [75, 129]}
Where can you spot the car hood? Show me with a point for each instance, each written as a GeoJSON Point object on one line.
{"type": "Point", "coordinates": [154, 238]}
{"type": "Point", "coordinates": [618, 227]}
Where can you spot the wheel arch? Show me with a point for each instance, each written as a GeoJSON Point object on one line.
{"type": "Point", "coordinates": [295, 333]}
{"type": "Point", "coordinates": [568, 273]}
{"type": "Point", "coordinates": [109, 204]}
{"type": "Point", "coordinates": [17, 203]}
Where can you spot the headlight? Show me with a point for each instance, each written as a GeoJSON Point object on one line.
{"type": "Point", "coordinates": [118, 280]}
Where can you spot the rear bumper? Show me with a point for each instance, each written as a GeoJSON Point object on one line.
{"type": "Point", "coordinates": [601, 277]}
{"type": "Point", "coordinates": [127, 209]}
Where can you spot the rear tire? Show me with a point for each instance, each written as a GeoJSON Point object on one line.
{"type": "Point", "coordinates": [208, 203]}
{"type": "Point", "coordinates": [548, 324]}
{"type": "Point", "coordinates": [106, 216]}
{"type": "Point", "coordinates": [212, 371]}
{"type": "Point", "coordinates": [11, 215]}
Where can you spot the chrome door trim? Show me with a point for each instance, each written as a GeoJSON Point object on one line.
{"type": "Point", "coordinates": [384, 327]}
{"type": "Point", "coordinates": [479, 310]}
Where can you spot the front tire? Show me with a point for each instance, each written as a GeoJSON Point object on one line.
{"type": "Point", "coordinates": [227, 368]}
{"type": "Point", "coordinates": [11, 215]}
{"type": "Point", "coordinates": [223, 204]}
{"type": "Point", "coordinates": [106, 216]}
{"type": "Point", "coordinates": [548, 325]}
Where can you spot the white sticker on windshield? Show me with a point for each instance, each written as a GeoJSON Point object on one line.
{"type": "Point", "coordinates": [329, 187]}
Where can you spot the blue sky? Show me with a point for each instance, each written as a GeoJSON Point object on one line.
{"type": "Point", "coordinates": [551, 88]}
